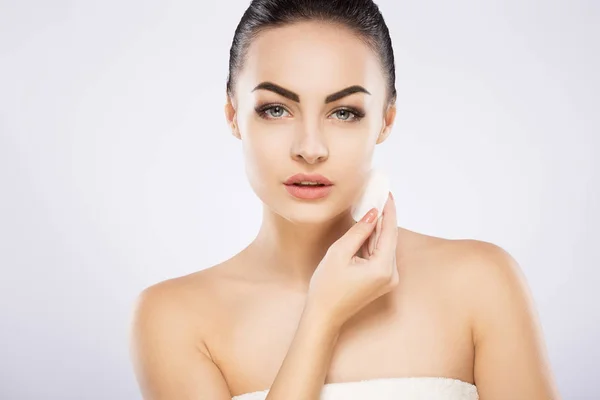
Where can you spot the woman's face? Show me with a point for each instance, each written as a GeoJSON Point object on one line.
{"type": "Point", "coordinates": [283, 136]}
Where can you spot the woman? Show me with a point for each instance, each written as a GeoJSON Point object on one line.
{"type": "Point", "coordinates": [306, 309]}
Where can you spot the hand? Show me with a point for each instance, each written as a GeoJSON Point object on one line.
{"type": "Point", "coordinates": [367, 248]}
{"type": "Point", "coordinates": [343, 282]}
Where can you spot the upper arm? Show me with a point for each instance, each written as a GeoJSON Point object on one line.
{"type": "Point", "coordinates": [167, 360]}
{"type": "Point", "coordinates": [510, 353]}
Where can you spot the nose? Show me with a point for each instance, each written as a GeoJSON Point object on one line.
{"type": "Point", "coordinates": [310, 145]}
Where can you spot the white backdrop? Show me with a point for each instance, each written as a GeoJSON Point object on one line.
{"type": "Point", "coordinates": [117, 169]}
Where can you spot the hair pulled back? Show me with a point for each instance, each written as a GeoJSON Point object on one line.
{"type": "Point", "coordinates": [361, 16]}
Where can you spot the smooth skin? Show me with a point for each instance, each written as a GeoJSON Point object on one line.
{"type": "Point", "coordinates": [459, 309]}
{"type": "Point", "coordinates": [343, 284]}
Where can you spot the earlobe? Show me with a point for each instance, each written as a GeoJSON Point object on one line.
{"type": "Point", "coordinates": [230, 115]}
{"type": "Point", "coordinates": [384, 134]}
{"type": "Point", "coordinates": [236, 132]}
{"type": "Point", "coordinates": [388, 122]}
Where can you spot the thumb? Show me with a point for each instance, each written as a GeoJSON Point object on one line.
{"type": "Point", "coordinates": [352, 240]}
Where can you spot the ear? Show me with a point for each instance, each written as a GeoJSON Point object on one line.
{"type": "Point", "coordinates": [388, 122]}
{"type": "Point", "coordinates": [231, 117]}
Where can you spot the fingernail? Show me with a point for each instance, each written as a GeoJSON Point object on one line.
{"type": "Point", "coordinates": [370, 216]}
{"type": "Point", "coordinates": [391, 195]}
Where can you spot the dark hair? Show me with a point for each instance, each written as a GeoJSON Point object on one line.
{"type": "Point", "coordinates": [361, 16]}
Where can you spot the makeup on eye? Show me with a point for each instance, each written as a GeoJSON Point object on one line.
{"type": "Point", "coordinates": [263, 111]}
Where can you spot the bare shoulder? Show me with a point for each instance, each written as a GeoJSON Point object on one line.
{"type": "Point", "coordinates": [511, 358]}
{"type": "Point", "coordinates": [170, 322]}
{"type": "Point", "coordinates": [488, 274]}
{"type": "Point", "coordinates": [477, 271]}
{"type": "Point", "coordinates": [511, 355]}
{"type": "Point", "coordinates": [186, 302]}
{"type": "Point", "coordinates": [475, 261]}
{"type": "Point", "coordinates": [475, 274]}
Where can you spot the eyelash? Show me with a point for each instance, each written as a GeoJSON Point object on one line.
{"type": "Point", "coordinates": [262, 111]}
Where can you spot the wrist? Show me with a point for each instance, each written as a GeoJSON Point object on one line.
{"type": "Point", "coordinates": [319, 321]}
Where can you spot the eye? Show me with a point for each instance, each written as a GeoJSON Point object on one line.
{"type": "Point", "coordinates": [343, 114]}
{"type": "Point", "coordinates": [346, 114]}
{"type": "Point", "coordinates": [276, 111]}
{"type": "Point", "coordinates": [273, 111]}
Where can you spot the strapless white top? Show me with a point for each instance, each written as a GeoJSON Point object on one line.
{"type": "Point", "coordinates": [402, 388]}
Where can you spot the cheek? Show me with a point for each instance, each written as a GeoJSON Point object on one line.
{"type": "Point", "coordinates": [265, 153]}
{"type": "Point", "coordinates": [350, 163]}
{"type": "Point", "coordinates": [351, 151]}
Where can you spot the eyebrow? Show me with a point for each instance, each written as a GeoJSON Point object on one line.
{"type": "Point", "coordinates": [294, 97]}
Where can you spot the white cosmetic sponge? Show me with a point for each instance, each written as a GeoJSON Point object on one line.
{"type": "Point", "coordinates": [375, 194]}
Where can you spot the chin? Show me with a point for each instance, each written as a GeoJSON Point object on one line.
{"type": "Point", "coordinates": [302, 211]}
{"type": "Point", "coordinates": [310, 213]}
{"type": "Point", "coordinates": [305, 218]}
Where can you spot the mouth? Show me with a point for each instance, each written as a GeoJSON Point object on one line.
{"type": "Point", "coordinates": [308, 191]}
{"type": "Point", "coordinates": [308, 179]}
{"type": "Point", "coordinates": [309, 184]}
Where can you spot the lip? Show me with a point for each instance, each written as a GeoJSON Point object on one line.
{"type": "Point", "coordinates": [308, 178]}
{"type": "Point", "coordinates": [308, 192]}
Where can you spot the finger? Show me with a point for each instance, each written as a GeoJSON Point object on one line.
{"type": "Point", "coordinates": [389, 231]}
{"type": "Point", "coordinates": [375, 235]}
{"type": "Point", "coordinates": [350, 243]}
{"type": "Point", "coordinates": [378, 230]}
{"type": "Point", "coordinates": [395, 273]}
{"type": "Point", "coordinates": [372, 241]}
{"type": "Point", "coordinates": [365, 251]}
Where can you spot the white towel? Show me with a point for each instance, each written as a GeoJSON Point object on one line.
{"type": "Point", "coordinates": [404, 388]}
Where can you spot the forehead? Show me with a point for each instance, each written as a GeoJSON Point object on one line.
{"type": "Point", "coordinates": [311, 57]}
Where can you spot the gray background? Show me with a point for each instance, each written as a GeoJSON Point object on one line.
{"type": "Point", "coordinates": [117, 168]}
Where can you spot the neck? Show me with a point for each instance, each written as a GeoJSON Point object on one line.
{"type": "Point", "coordinates": [291, 251]}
